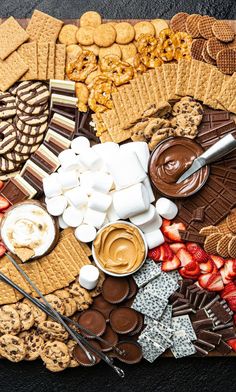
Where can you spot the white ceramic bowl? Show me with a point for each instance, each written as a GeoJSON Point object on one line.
{"type": "Point", "coordinates": [113, 273]}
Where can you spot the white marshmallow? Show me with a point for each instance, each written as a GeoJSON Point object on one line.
{"type": "Point", "coordinates": [80, 167]}
{"type": "Point", "coordinates": [72, 217]}
{"type": "Point", "coordinates": [99, 201]}
{"type": "Point", "coordinates": [80, 144]}
{"type": "Point", "coordinates": [94, 218]}
{"type": "Point", "coordinates": [166, 208]}
{"type": "Point", "coordinates": [88, 276]}
{"type": "Point", "coordinates": [126, 169]}
{"type": "Point", "coordinates": [61, 222]}
{"type": "Point", "coordinates": [148, 220]}
{"type": "Point", "coordinates": [87, 179]}
{"type": "Point", "coordinates": [77, 196]}
{"type": "Point", "coordinates": [52, 186]}
{"type": "Point", "coordinates": [68, 179]}
{"type": "Point", "coordinates": [142, 151]}
{"type": "Point", "coordinates": [111, 214]}
{"type": "Point", "coordinates": [102, 182]}
{"type": "Point", "coordinates": [56, 205]}
{"type": "Point", "coordinates": [67, 159]}
{"type": "Point", "coordinates": [131, 201]}
{"type": "Point", "coordinates": [91, 160]}
{"type": "Point", "coordinates": [106, 150]}
{"type": "Point", "coordinates": [147, 184]}
{"type": "Point", "coordinates": [154, 238]}
{"type": "Point", "coordinates": [85, 233]}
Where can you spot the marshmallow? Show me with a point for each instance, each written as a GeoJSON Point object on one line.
{"type": "Point", "coordinates": [56, 205]}
{"type": "Point", "coordinates": [106, 150]}
{"type": "Point", "coordinates": [102, 182]}
{"type": "Point", "coordinates": [87, 179]}
{"type": "Point", "coordinates": [126, 169]}
{"type": "Point", "coordinates": [68, 179]}
{"type": "Point", "coordinates": [85, 233]}
{"type": "Point", "coordinates": [52, 186]}
{"type": "Point", "coordinates": [148, 220]}
{"type": "Point", "coordinates": [88, 276]}
{"type": "Point", "coordinates": [72, 217]}
{"type": "Point", "coordinates": [147, 184]}
{"type": "Point", "coordinates": [99, 201]}
{"type": "Point", "coordinates": [166, 208]}
{"type": "Point", "coordinates": [111, 214]}
{"type": "Point", "coordinates": [154, 238]}
{"type": "Point", "coordinates": [91, 160]}
{"type": "Point", "coordinates": [94, 218]}
{"type": "Point", "coordinates": [67, 159]}
{"type": "Point", "coordinates": [80, 144]}
{"type": "Point", "coordinates": [62, 223]}
{"type": "Point", "coordinates": [142, 151]}
{"type": "Point", "coordinates": [77, 196]}
{"type": "Point", "coordinates": [131, 201]}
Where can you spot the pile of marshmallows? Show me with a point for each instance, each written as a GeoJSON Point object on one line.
{"type": "Point", "coordinates": [105, 183]}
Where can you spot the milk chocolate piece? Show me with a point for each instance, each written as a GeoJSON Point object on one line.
{"type": "Point", "coordinates": [206, 323]}
{"type": "Point", "coordinates": [139, 326]}
{"type": "Point", "coordinates": [100, 304]}
{"type": "Point", "coordinates": [192, 237]}
{"type": "Point", "coordinates": [94, 321]}
{"type": "Point", "coordinates": [184, 284]}
{"type": "Point", "coordinates": [63, 112]}
{"type": "Point", "coordinates": [199, 315]}
{"type": "Point", "coordinates": [198, 298]}
{"type": "Point", "coordinates": [223, 348]}
{"type": "Point", "coordinates": [228, 333]}
{"type": "Point", "coordinates": [45, 159]}
{"type": "Point", "coordinates": [133, 288]}
{"type": "Point", "coordinates": [226, 175]}
{"type": "Point", "coordinates": [209, 135]}
{"type": "Point", "coordinates": [17, 190]}
{"type": "Point", "coordinates": [209, 336]}
{"type": "Point", "coordinates": [55, 142]}
{"type": "Point", "coordinates": [205, 345]}
{"type": "Point", "coordinates": [181, 307]}
{"type": "Point", "coordinates": [62, 125]}
{"type": "Point", "coordinates": [81, 357]}
{"type": "Point", "coordinates": [175, 296]}
{"type": "Point", "coordinates": [34, 175]}
{"type": "Point", "coordinates": [183, 312]}
{"type": "Point", "coordinates": [212, 302]}
{"type": "Point", "coordinates": [111, 337]}
{"type": "Point", "coordinates": [179, 302]}
{"type": "Point", "coordinates": [53, 148]}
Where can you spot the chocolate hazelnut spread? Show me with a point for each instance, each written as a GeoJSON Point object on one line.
{"type": "Point", "coordinates": [170, 160]}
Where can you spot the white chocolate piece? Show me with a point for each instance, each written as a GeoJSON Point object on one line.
{"type": "Point", "coordinates": [142, 151]}
{"type": "Point", "coordinates": [94, 218]}
{"type": "Point", "coordinates": [88, 276]}
{"type": "Point", "coordinates": [99, 201]}
{"type": "Point", "coordinates": [131, 201]}
{"type": "Point", "coordinates": [56, 205]}
{"type": "Point", "coordinates": [80, 144]}
{"type": "Point", "coordinates": [52, 186]}
{"type": "Point", "coordinates": [62, 223]}
{"type": "Point", "coordinates": [154, 238]}
{"type": "Point", "coordinates": [102, 182]}
{"type": "Point", "coordinates": [67, 159]}
{"type": "Point", "coordinates": [147, 184]}
{"type": "Point", "coordinates": [85, 233]}
{"type": "Point", "coordinates": [77, 196]}
{"type": "Point", "coordinates": [72, 217]}
{"type": "Point", "coordinates": [166, 208]}
{"type": "Point", "coordinates": [91, 160]}
{"type": "Point", "coordinates": [148, 220]}
{"type": "Point", "coordinates": [126, 169]}
{"type": "Point", "coordinates": [68, 179]}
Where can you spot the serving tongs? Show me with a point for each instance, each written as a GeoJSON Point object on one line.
{"type": "Point", "coordinates": [63, 320]}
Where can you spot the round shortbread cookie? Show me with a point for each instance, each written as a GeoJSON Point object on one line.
{"type": "Point", "coordinates": [128, 51]}
{"type": "Point", "coordinates": [33, 93]}
{"type": "Point", "coordinates": [31, 119]}
{"type": "Point", "coordinates": [9, 320]}
{"type": "Point", "coordinates": [33, 344]}
{"type": "Point", "coordinates": [30, 129]}
{"type": "Point", "coordinates": [67, 34]}
{"type": "Point", "coordinates": [28, 109]}
{"type": "Point", "coordinates": [7, 137]}
{"type": "Point", "coordinates": [29, 140]}
{"type": "Point", "coordinates": [12, 348]}
{"type": "Point", "coordinates": [7, 106]}
{"type": "Point", "coordinates": [113, 49]}
{"type": "Point", "coordinates": [104, 35]}
{"type": "Point", "coordinates": [25, 314]}
{"type": "Point", "coordinates": [92, 48]}
{"type": "Point", "coordinates": [72, 52]}
{"type": "Point", "coordinates": [159, 25]}
{"type": "Point", "coordinates": [56, 356]}
{"type": "Point", "coordinates": [90, 18]}
{"type": "Point", "coordinates": [84, 35]}
{"type": "Point", "coordinates": [124, 32]}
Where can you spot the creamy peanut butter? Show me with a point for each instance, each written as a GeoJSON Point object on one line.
{"type": "Point", "coordinates": [119, 248]}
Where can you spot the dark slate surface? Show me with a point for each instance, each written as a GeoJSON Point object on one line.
{"type": "Point", "coordinates": [166, 375]}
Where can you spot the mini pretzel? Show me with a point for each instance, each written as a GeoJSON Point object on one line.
{"type": "Point", "coordinates": [182, 40]}
{"type": "Point", "coordinates": [100, 94]}
{"type": "Point", "coordinates": [152, 59]}
{"type": "Point", "coordinates": [146, 43]}
{"type": "Point", "coordinates": [79, 69]}
{"type": "Point", "coordinates": [165, 35]}
{"type": "Point", "coordinates": [109, 62]}
{"type": "Point", "coordinates": [119, 71]}
{"type": "Point", "coordinates": [139, 66]}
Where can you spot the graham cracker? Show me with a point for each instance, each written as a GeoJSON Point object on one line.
{"type": "Point", "coordinates": [12, 35]}
{"type": "Point", "coordinates": [120, 110]}
{"type": "Point", "coordinates": [65, 270]}
{"type": "Point", "coordinates": [148, 84]}
{"type": "Point", "coordinates": [51, 61]}
{"type": "Point", "coordinates": [11, 70]}
{"type": "Point", "coordinates": [142, 91]}
{"type": "Point", "coordinates": [192, 81]}
{"type": "Point", "coordinates": [133, 103]}
{"type": "Point", "coordinates": [117, 134]}
{"type": "Point", "coordinates": [7, 273]}
{"type": "Point", "coordinates": [126, 102]}
{"type": "Point", "coordinates": [87, 250]}
{"type": "Point", "coordinates": [202, 79]}
{"type": "Point", "coordinates": [32, 270]}
{"type": "Point", "coordinates": [183, 73]}
{"type": "Point", "coordinates": [161, 82]}
{"type": "Point", "coordinates": [28, 53]}
{"type": "Point", "coordinates": [69, 255]}
{"type": "Point", "coordinates": [42, 60]}
{"type": "Point", "coordinates": [82, 258]}
{"type": "Point", "coordinates": [226, 79]}
{"type": "Point", "coordinates": [170, 76]}
{"type": "Point", "coordinates": [232, 107]}
{"type": "Point", "coordinates": [105, 137]}
{"type": "Point", "coordinates": [214, 85]}
{"type": "Point", "coordinates": [60, 272]}
{"type": "Point", "coordinates": [17, 278]}
{"type": "Point", "coordinates": [134, 86]}
{"type": "Point", "coordinates": [43, 28]}
{"type": "Point", "coordinates": [7, 293]}
{"type": "Point", "coordinates": [227, 94]}
{"type": "Point", "coordinates": [155, 87]}
{"type": "Point", "coordinates": [48, 288]}
{"type": "Point", "coordinates": [60, 61]}
{"type": "Point", "coordinates": [50, 271]}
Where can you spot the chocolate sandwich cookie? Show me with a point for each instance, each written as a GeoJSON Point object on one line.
{"type": "Point", "coordinates": [7, 106]}
{"type": "Point", "coordinates": [7, 137]}
{"type": "Point", "coordinates": [33, 119]}
{"type": "Point", "coordinates": [28, 109]}
{"type": "Point", "coordinates": [29, 140]}
{"type": "Point", "coordinates": [33, 93]}
{"type": "Point", "coordinates": [30, 130]}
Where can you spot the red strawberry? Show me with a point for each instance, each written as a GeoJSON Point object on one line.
{"type": "Point", "coordinates": [4, 203]}
{"type": "Point", "coordinates": [186, 275]}
{"type": "Point", "coordinates": [168, 254]}
{"type": "Point", "coordinates": [2, 249]}
{"type": "Point", "coordinates": [177, 246]}
{"type": "Point", "coordinates": [224, 276]}
{"type": "Point", "coordinates": [230, 268]}
{"type": "Point", "coordinates": [203, 280]}
{"type": "Point", "coordinates": [207, 267]}
{"type": "Point", "coordinates": [218, 261]}
{"type": "Point", "coordinates": [232, 343]}
{"type": "Point", "coordinates": [184, 256]}
{"type": "Point", "coordinates": [198, 253]}
{"type": "Point", "coordinates": [154, 253]}
{"type": "Point", "coordinates": [192, 268]}
{"type": "Point", "coordinates": [235, 319]}
{"type": "Point", "coordinates": [215, 283]}
{"type": "Point", "coordinates": [232, 303]}
{"type": "Point", "coordinates": [171, 265]}
{"type": "Point", "coordinates": [172, 231]}
{"type": "Point", "coordinates": [192, 247]}
{"type": "Point", "coordinates": [229, 290]}
{"type": "Point", "coordinates": [1, 184]}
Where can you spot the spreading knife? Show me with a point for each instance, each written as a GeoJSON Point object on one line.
{"type": "Point", "coordinates": [221, 148]}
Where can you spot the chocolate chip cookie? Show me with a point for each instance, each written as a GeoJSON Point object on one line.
{"type": "Point", "coordinates": [12, 348]}
{"type": "Point", "coordinates": [187, 105]}
{"type": "Point", "coordinates": [71, 345]}
{"type": "Point", "coordinates": [70, 306]}
{"type": "Point", "coordinates": [26, 315]}
{"type": "Point", "coordinates": [55, 302]}
{"type": "Point", "coordinates": [81, 296]}
{"type": "Point", "coordinates": [33, 344]}
{"type": "Point", "coordinates": [50, 330]}
{"type": "Point", "coordinates": [9, 320]}
{"type": "Point", "coordinates": [56, 356]}
{"type": "Point", "coordinates": [39, 315]}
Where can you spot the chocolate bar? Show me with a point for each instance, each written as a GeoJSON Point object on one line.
{"type": "Point", "coordinates": [17, 189]}
{"type": "Point", "coordinates": [63, 112]}
{"type": "Point", "coordinates": [226, 175]}
{"type": "Point", "coordinates": [62, 125]}
{"type": "Point", "coordinates": [188, 310]}
{"type": "Point", "coordinates": [45, 159]}
{"type": "Point", "coordinates": [34, 175]}
{"type": "Point", "coordinates": [220, 313]}
{"type": "Point", "coordinates": [192, 237]}
{"type": "Point", "coordinates": [55, 142]}
{"type": "Point", "coordinates": [184, 284]}
{"type": "Point", "coordinates": [62, 87]}
{"type": "Point", "coordinates": [205, 345]}
{"type": "Point", "coordinates": [206, 323]}
{"type": "Point", "coordinates": [222, 326]}
{"type": "Point", "coordinates": [200, 350]}
{"type": "Point", "coordinates": [223, 348]}
{"type": "Point", "coordinates": [210, 337]}
{"type": "Point", "coordinates": [228, 333]}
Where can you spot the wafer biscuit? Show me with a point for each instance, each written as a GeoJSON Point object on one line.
{"type": "Point", "coordinates": [206, 57]}
{"type": "Point", "coordinates": [178, 22]}
{"type": "Point", "coordinates": [42, 60]}
{"type": "Point", "coordinates": [214, 46]}
{"type": "Point", "coordinates": [223, 227]}
{"type": "Point", "coordinates": [12, 35]}
{"type": "Point", "coordinates": [192, 25]}
{"type": "Point", "coordinates": [208, 230]}
{"type": "Point", "coordinates": [226, 61]}
{"type": "Point", "coordinates": [183, 73]}
{"type": "Point", "coordinates": [28, 53]}
{"type": "Point", "coordinates": [223, 31]}
{"type": "Point", "coordinates": [11, 70]}
{"type": "Point", "coordinates": [192, 81]}
{"type": "Point", "coordinates": [205, 26]}
{"type": "Point", "coordinates": [60, 61]}
{"type": "Point", "coordinates": [197, 48]}
{"type": "Point", "coordinates": [211, 241]}
{"type": "Point", "coordinates": [222, 245]}
{"type": "Point", "coordinates": [232, 247]}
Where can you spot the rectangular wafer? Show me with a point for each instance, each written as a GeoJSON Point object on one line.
{"type": "Point", "coordinates": [161, 82]}
{"type": "Point", "coordinates": [192, 81]}
{"type": "Point", "coordinates": [60, 62]}
{"type": "Point", "coordinates": [214, 85]}
{"type": "Point", "coordinates": [183, 73]}
{"type": "Point", "coordinates": [12, 35]}
{"type": "Point", "coordinates": [28, 53]}
{"type": "Point", "coordinates": [43, 27]}
{"type": "Point", "coordinates": [170, 76]}
{"type": "Point", "coordinates": [42, 60]}
{"type": "Point", "coordinates": [11, 70]}
{"type": "Point", "coordinates": [51, 61]}
{"type": "Point", "coordinates": [202, 79]}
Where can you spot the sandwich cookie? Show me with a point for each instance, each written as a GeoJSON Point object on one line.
{"type": "Point", "coordinates": [7, 106]}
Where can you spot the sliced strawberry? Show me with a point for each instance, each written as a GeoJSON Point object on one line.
{"type": "Point", "coordinates": [192, 268]}
{"type": "Point", "coordinates": [154, 253]}
{"type": "Point", "coordinates": [172, 231]}
{"type": "Point", "coordinates": [218, 261]}
{"type": "Point", "coordinates": [224, 277]}
{"type": "Point", "coordinates": [229, 290]}
{"type": "Point", "coordinates": [232, 343]}
{"type": "Point", "coordinates": [2, 249]}
{"type": "Point", "coordinates": [185, 274]}
{"type": "Point", "coordinates": [177, 246]}
{"type": "Point", "coordinates": [168, 254]}
{"type": "Point", "coordinates": [1, 216]}
{"type": "Point", "coordinates": [230, 268]}
{"type": "Point", "coordinates": [192, 247]}
{"type": "Point", "coordinates": [207, 267]}
{"type": "Point", "coordinates": [203, 280]}
{"type": "Point", "coordinates": [232, 303]}
{"type": "Point", "coordinates": [197, 252]}
{"type": "Point", "coordinates": [171, 265]}
{"type": "Point", "coordinates": [1, 184]}
{"type": "Point", "coordinates": [165, 223]}
{"type": "Point", "coordinates": [184, 256]}
{"type": "Point", "coordinates": [215, 282]}
{"type": "Point", "coordinates": [4, 203]}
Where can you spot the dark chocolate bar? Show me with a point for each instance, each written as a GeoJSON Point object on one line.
{"type": "Point", "coordinates": [209, 336]}
{"type": "Point", "coordinates": [226, 175]}
{"type": "Point", "coordinates": [220, 313]}
{"type": "Point", "coordinates": [223, 348]}
{"type": "Point", "coordinates": [206, 323]}
{"type": "Point", "coordinates": [205, 345]}
{"type": "Point", "coordinates": [192, 237]}
{"type": "Point", "coordinates": [228, 333]}
{"type": "Point", "coordinates": [200, 350]}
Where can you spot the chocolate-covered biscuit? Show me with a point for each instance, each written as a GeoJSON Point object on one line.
{"type": "Point", "coordinates": [7, 106]}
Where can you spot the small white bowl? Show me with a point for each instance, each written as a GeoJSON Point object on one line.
{"type": "Point", "coordinates": [113, 273]}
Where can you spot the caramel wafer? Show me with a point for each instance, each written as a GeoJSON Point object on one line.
{"type": "Point", "coordinates": [205, 26]}
{"type": "Point", "coordinates": [232, 247]}
{"type": "Point", "coordinates": [222, 245]}
{"type": "Point", "coordinates": [206, 57]}
{"type": "Point", "coordinates": [223, 227]}
{"type": "Point", "coordinates": [214, 46]}
{"type": "Point", "coordinates": [178, 22]}
{"type": "Point", "coordinates": [197, 48]}
{"type": "Point", "coordinates": [231, 221]}
{"type": "Point", "coordinates": [192, 25]}
{"type": "Point", "coordinates": [226, 61]}
{"type": "Point", "coordinates": [208, 230]}
{"type": "Point", "coordinates": [210, 244]}
{"type": "Point", "coordinates": [223, 31]}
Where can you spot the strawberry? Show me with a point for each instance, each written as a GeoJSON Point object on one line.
{"type": "Point", "coordinates": [177, 246]}
{"type": "Point", "coordinates": [207, 267]}
{"type": "Point", "coordinates": [154, 253]}
{"type": "Point", "coordinates": [1, 184]}
{"type": "Point", "coordinates": [224, 276]}
{"type": "Point", "coordinates": [232, 303]}
{"type": "Point", "coordinates": [168, 254]}
{"type": "Point", "coordinates": [4, 203]}
{"type": "Point", "coordinates": [2, 249]}
{"type": "Point", "coordinates": [170, 265]}
{"type": "Point", "coordinates": [203, 280]}
{"type": "Point", "coordinates": [192, 247]}
{"type": "Point", "coordinates": [215, 282]}
{"type": "Point", "coordinates": [232, 343]}
{"type": "Point", "coordinates": [218, 261]}
{"type": "Point", "coordinates": [190, 270]}
{"type": "Point", "coordinates": [230, 268]}
{"type": "Point", "coordinates": [229, 290]}
{"type": "Point", "coordinates": [235, 319]}
{"type": "Point", "coordinates": [172, 231]}
{"type": "Point", "coordinates": [184, 256]}
{"type": "Point", "coordinates": [186, 275]}
{"type": "Point", "coordinates": [197, 252]}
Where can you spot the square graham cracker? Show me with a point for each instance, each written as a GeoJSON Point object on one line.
{"type": "Point", "coordinates": [43, 50]}
{"type": "Point", "coordinates": [122, 91]}
{"type": "Point", "coordinates": [192, 81]}
{"type": "Point", "coordinates": [11, 70]}
{"type": "Point", "coordinates": [28, 53]}
{"type": "Point", "coordinates": [43, 27]}
{"type": "Point", "coordinates": [120, 110]}
{"type": "Point", "coordinates": [202, 81]}
{"type": "Point", "coordinates": [51, 60]}
{"type": "Point", "coordinates": [12, 35]}
{"type": "Point", "coordinates": [148, 84]}
{"type": "Point", "coordinates": [170, 76]}
{"type": "Point", "coordinates": [60, 62]}
{"type": "Point", "coordinates": [134, 87]}
{"type": "Point", "coordinates": [183, 72]}
{"type": "Point", "coordinates": [111, 121]}
{"type": "Point", "coordinates": [142, 91]}
{"type": "Point", "coordinates": [214, 85]}
{"type": "Point", "coordinates": [32, 270]}
{"type": "Point", "coordinates": [7, 293]}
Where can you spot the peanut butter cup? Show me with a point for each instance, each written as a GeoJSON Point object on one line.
{"type": "Point", "coordinates": [133, 352]}
{"type": "Point", "coordinates": [100, 304]}
{"type": "Point", "coordinates": [81, 357]}
{"type": "Point", "coordinates": [94, 321]}
{"type": "Point", "coordinates": [111, 337]}
{"type": "Point", "coordinates": [115, 290]}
